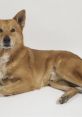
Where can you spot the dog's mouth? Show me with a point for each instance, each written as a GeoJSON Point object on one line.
{"type": "Point", "coordinates": [5, 47]}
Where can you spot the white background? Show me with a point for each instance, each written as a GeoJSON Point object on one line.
{"type": "Point", "coordinates": [50, 24]}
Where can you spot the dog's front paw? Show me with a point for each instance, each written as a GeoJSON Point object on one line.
{"type": "Point", "coordinates": [4, 92]}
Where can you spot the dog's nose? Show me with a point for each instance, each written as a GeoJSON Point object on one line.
{"type": "Point", "coordinates": [6, 41]}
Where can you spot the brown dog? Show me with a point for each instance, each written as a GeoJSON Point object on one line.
{"type": "Point", "coordinates": [23, 69]}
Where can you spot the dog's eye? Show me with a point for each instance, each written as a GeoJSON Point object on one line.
{"type": "Point", "coordinates": [1, 30]}
{"type": "Point", "coordinates": [13, 30]}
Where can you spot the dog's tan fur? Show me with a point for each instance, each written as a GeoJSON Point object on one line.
{"type": "Point", "coordinates": [28, 69]}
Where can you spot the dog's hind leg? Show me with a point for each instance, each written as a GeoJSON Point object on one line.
{"type": "Point", "coordinates": [59, 85]}
{"type": "Point", "coordinates": [69, 91]}
{"type": "Point", "coordinates": [71, 72]}
{"type": "Point", "coordinates": [70, 75]}
{"type": "Point", "coordinates": [67, 95]}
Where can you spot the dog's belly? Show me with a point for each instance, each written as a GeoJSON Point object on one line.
{"type": "Point", "coordinates": [53, 76]}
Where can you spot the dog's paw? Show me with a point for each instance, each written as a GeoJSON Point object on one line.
{"type": "Point", "coordinates": [63, 99]}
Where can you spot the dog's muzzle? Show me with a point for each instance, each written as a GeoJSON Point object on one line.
{"type": "Point", "coordinates": [6, 41]}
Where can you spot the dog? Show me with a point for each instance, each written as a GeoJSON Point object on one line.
{"type": "Point", "coordinates": [23, 69]}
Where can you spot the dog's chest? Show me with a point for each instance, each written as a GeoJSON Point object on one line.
{"type": "Point", "coordinates": [3, 69]}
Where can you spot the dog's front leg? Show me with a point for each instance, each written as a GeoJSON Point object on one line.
{"type": "Point", "coordinates": [14, 88]}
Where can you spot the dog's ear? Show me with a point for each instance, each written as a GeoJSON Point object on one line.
{"type": "Point", "coordinates": [20, 18]}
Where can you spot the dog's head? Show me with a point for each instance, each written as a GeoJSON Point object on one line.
{"type": "Point", "coordinates": [11, 31]}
